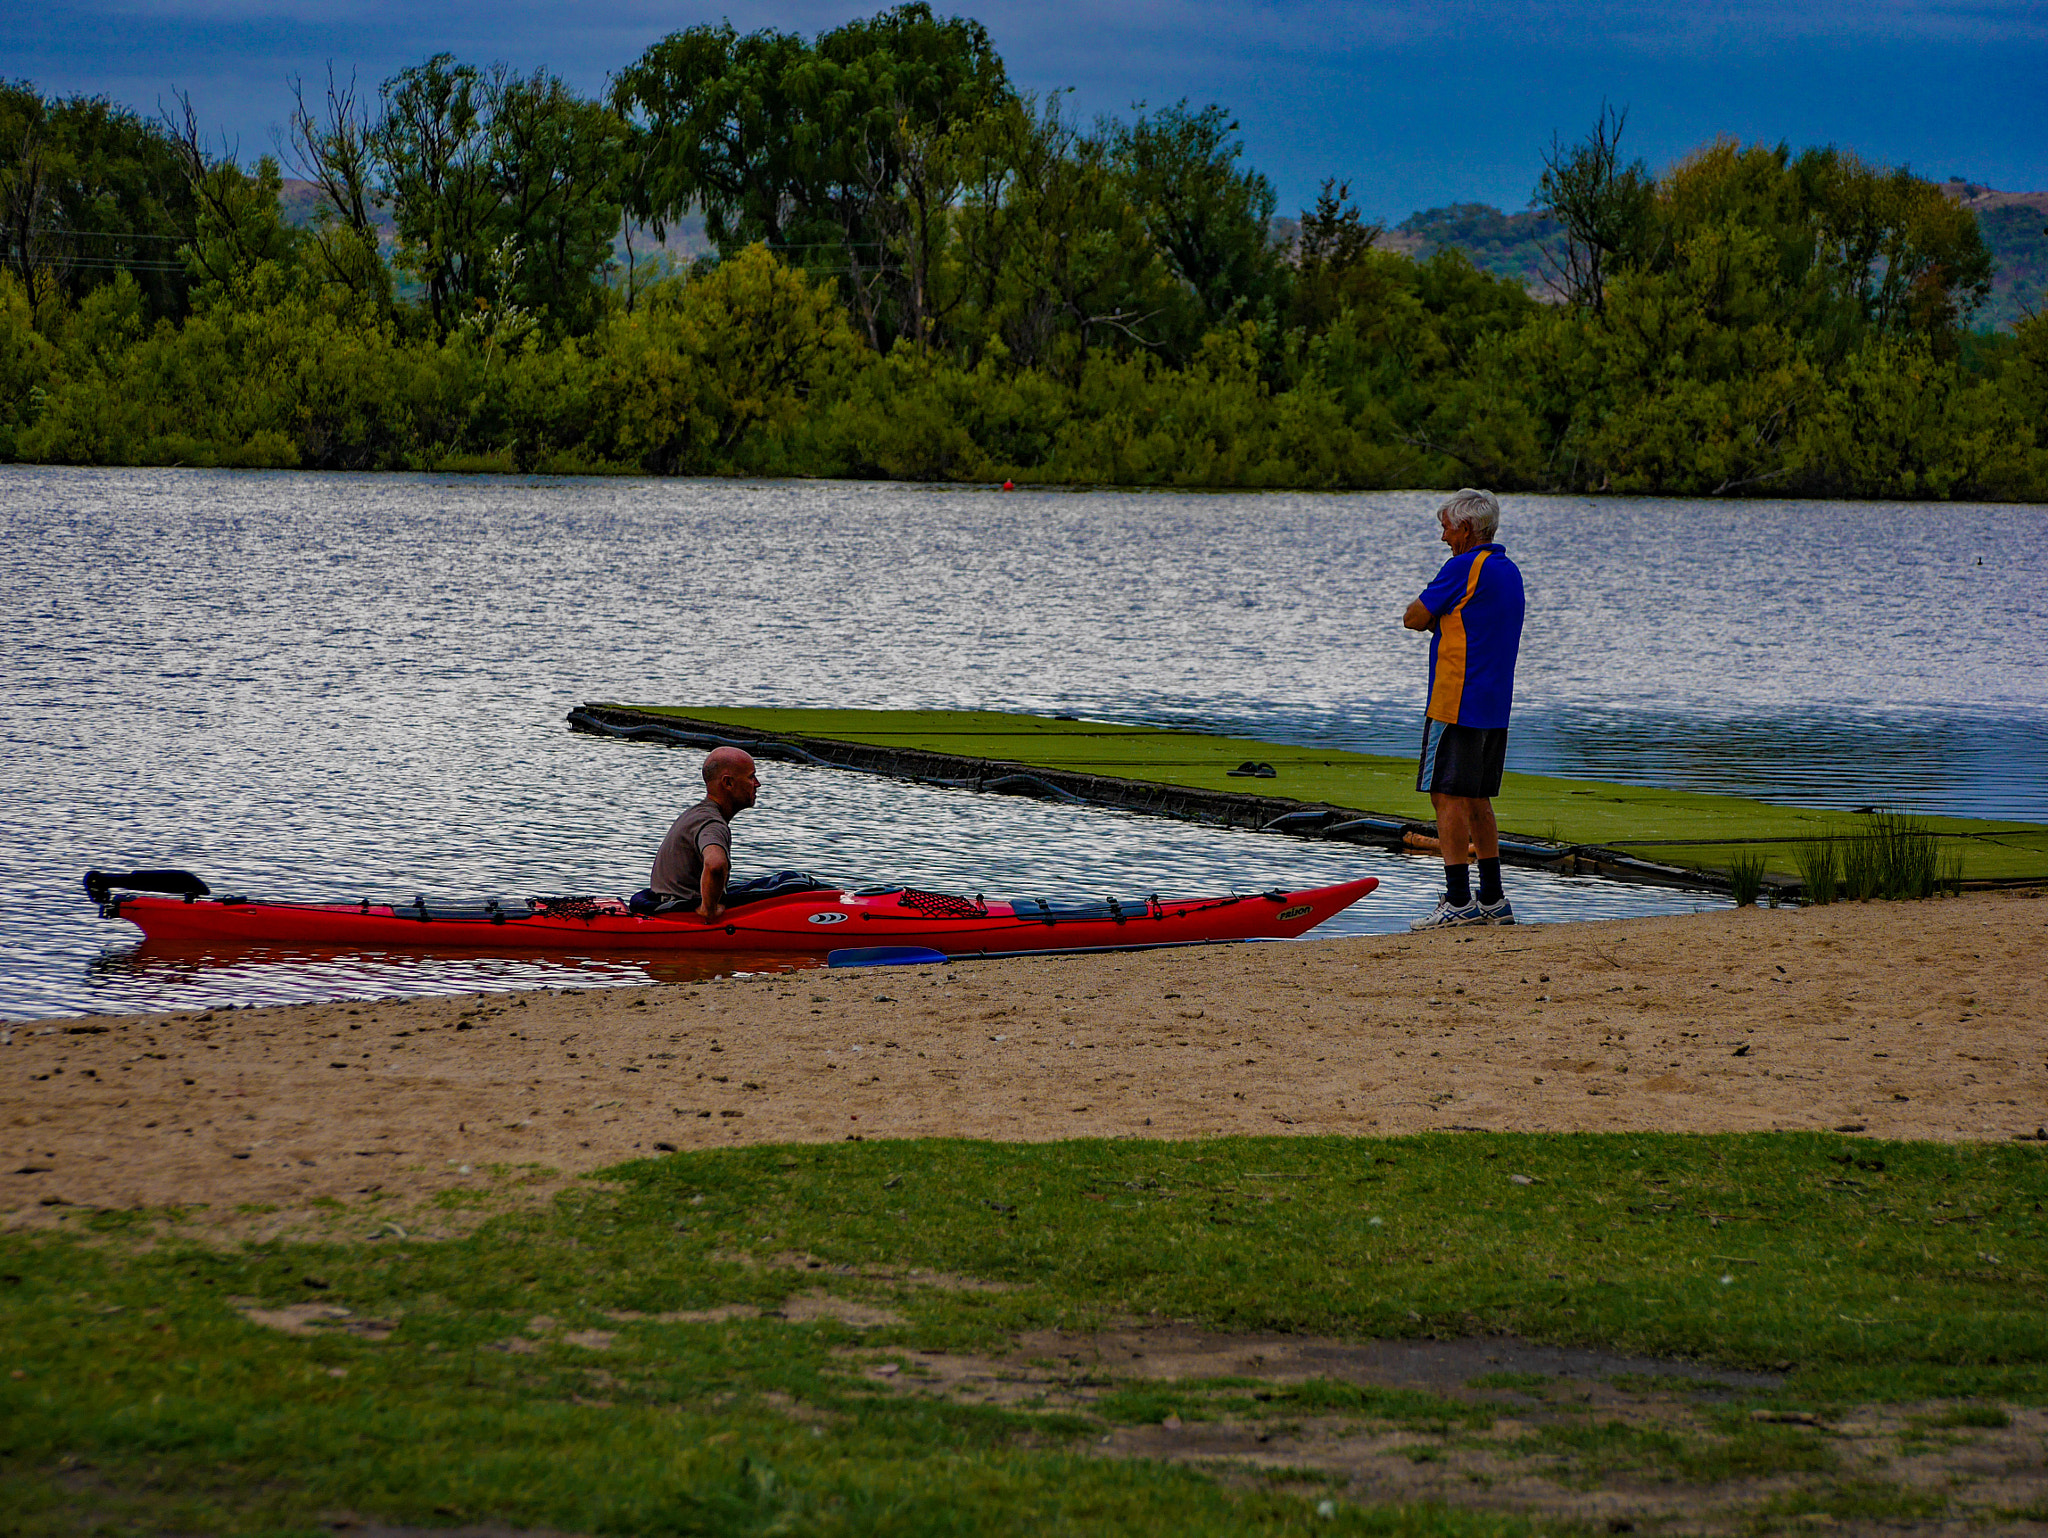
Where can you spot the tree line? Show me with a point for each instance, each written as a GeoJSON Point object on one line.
{"type": "Point", "coordinates": [919, 271]}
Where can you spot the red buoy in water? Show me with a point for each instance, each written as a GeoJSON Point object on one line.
{"type": "Point", "coordinates": [1009, 485]}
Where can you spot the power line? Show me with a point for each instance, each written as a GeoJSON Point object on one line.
{"type": "Point", "coordinates": [110, 235]}
{"type": "Point", "coordinates": [112, 264]}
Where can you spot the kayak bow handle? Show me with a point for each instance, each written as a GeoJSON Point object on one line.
{"type": "Point", "coordinates": [99, 884]}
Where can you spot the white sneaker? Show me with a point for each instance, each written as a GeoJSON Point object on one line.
{"type": "Point", "coordinates": [1445, 916]}
{"type": "Point", "coordinates": [1502, 912]}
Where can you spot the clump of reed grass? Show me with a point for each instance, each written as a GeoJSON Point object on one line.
{"type": "Point", "coordinates": [1909, 855]}
{"type": "Point", "coordinates": [1952, 873]}
{"type": "Point", "coordinates": [1914, 866]}
{"type": "Point", "coordinates": [1746, 875]}
{"type": "Point", "coordinates": [1820, 868]}
{"type": "Point", "coordinates": [1862, 868]}
{"type": "Point", "coordinates": [1899, 858]}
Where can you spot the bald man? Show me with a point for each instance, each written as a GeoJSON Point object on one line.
{"type": "Point", "coordinates": [695, 860]}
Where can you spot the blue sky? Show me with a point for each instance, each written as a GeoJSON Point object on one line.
{"type": "Point", "coordinates": [1414, 104]}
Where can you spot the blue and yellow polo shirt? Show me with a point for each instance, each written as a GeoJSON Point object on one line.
{"type": "Point", "coordinates": [1477, 601]}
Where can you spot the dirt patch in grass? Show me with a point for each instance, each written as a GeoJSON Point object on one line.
{"type": "Point", "coordinates": [1502, 1425]}
{"type": "Point", "coordinates": [723, 1313]}
{"type": "Point", "coordinates": [1170, 1352]}
{"type": "Point", "coordinates": [1625, 1468]}
{"type": "Point", "coordinates": [1060, 1367]}
{"type": "Point", "coordinates": [811, 1306]}
{"type": "Point", "coordinates": [314, 1319]}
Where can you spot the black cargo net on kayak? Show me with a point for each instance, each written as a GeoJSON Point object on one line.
{"type": "Point", "coordinates": [937, 905]}
{"type": "Point", "coordinates": [566, 907]}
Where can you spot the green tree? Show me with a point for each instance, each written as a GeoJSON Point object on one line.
{"type": "Point", "coordinates": [556, 165]}
{"type": "Point", "coordinates": [838, 155]}
{"type": "Point", "coordinates": [890, 96]}
{"type": "Point", "coordinates": [89, 191]}
{"type": "Point", "coordinates": [1210, 219]}
{"type": "Point", "coordinates": [1055, 257]}
{"type": "Point", "coordinates": [434, 150]}
{"type": "Point", "coordinates": [27, 362]}
{"type": "Point", "coordinates": [1912, 259]}
{"type": "Point", "coordinates": [1688, 382]}
{"type": "Point", "coordinates": [33, 162]}
{"type": "Point", "coordinates": [1328, 255]}
{"type": "Point", "coordinates": [714, 126]}
{"type": "Point", "coordinates": [709, 374]}
{"type": "Point", "coordinates": [506, 191]}
{"type": "Point", "coordinates": [1852, 248]}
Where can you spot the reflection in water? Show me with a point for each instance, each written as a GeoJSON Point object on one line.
{"type": "Point", "coordinates": [1914, 764]}
{"type": "Point", "coordinates": [1956, 766]}
{"type": "Point", "coordinates": [324, 686]}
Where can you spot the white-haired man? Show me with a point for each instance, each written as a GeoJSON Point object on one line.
{"type": "Point", "coordinates": [1473, 611]}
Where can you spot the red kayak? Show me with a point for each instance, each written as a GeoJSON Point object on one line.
{"type": "Point", "coordinates": [809, 918]}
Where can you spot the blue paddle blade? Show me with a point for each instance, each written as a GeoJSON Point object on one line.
{"type": "Point", "coordinates": [885, 956]}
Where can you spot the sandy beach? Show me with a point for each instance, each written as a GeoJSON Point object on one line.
{"type": "Point", "coordinates": [1909, 1020]}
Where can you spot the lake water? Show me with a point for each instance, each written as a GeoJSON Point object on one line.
{"type": "Point", "coordinates": [312, 685]}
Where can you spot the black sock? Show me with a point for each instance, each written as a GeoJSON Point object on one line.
{"type": "Point", "coordinates": [1489, 880]}
{"type": "Point", "coordinates": [1458, 883]}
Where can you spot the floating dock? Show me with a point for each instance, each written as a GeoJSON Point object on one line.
{"type": "Point", "coordinates": [1631, 832]}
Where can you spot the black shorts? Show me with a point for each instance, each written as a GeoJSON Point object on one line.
{"type": "Point", "coordinates": [1461, 760]}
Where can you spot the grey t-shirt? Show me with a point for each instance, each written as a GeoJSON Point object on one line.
{"type": "Point", "coordinates": [679, 863]}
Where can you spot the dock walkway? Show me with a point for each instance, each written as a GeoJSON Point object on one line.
{"type": "Point", "coordinates": [1637, 833]}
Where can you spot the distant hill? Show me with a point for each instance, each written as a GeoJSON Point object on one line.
{"type": "Point", "coordinates": [300, 200]}
{"type": "Point", "coordinates": [1507, 245]}
{"type": "Point", "coordinates": [2015, 227]}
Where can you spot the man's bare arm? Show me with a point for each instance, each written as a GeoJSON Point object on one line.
{"type": "Point", "coordinates": [711, 884]}
{"type": "Point", "coordinates": [1418, 616]}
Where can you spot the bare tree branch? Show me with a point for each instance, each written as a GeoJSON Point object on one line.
{"type": "Point", "coordinates": [1604, 207]}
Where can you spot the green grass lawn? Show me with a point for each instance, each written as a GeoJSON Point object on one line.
{"type": "Point", "coordinates": [1669, 826]}
{"type": "Point", "coordinates": [137, 1396]}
